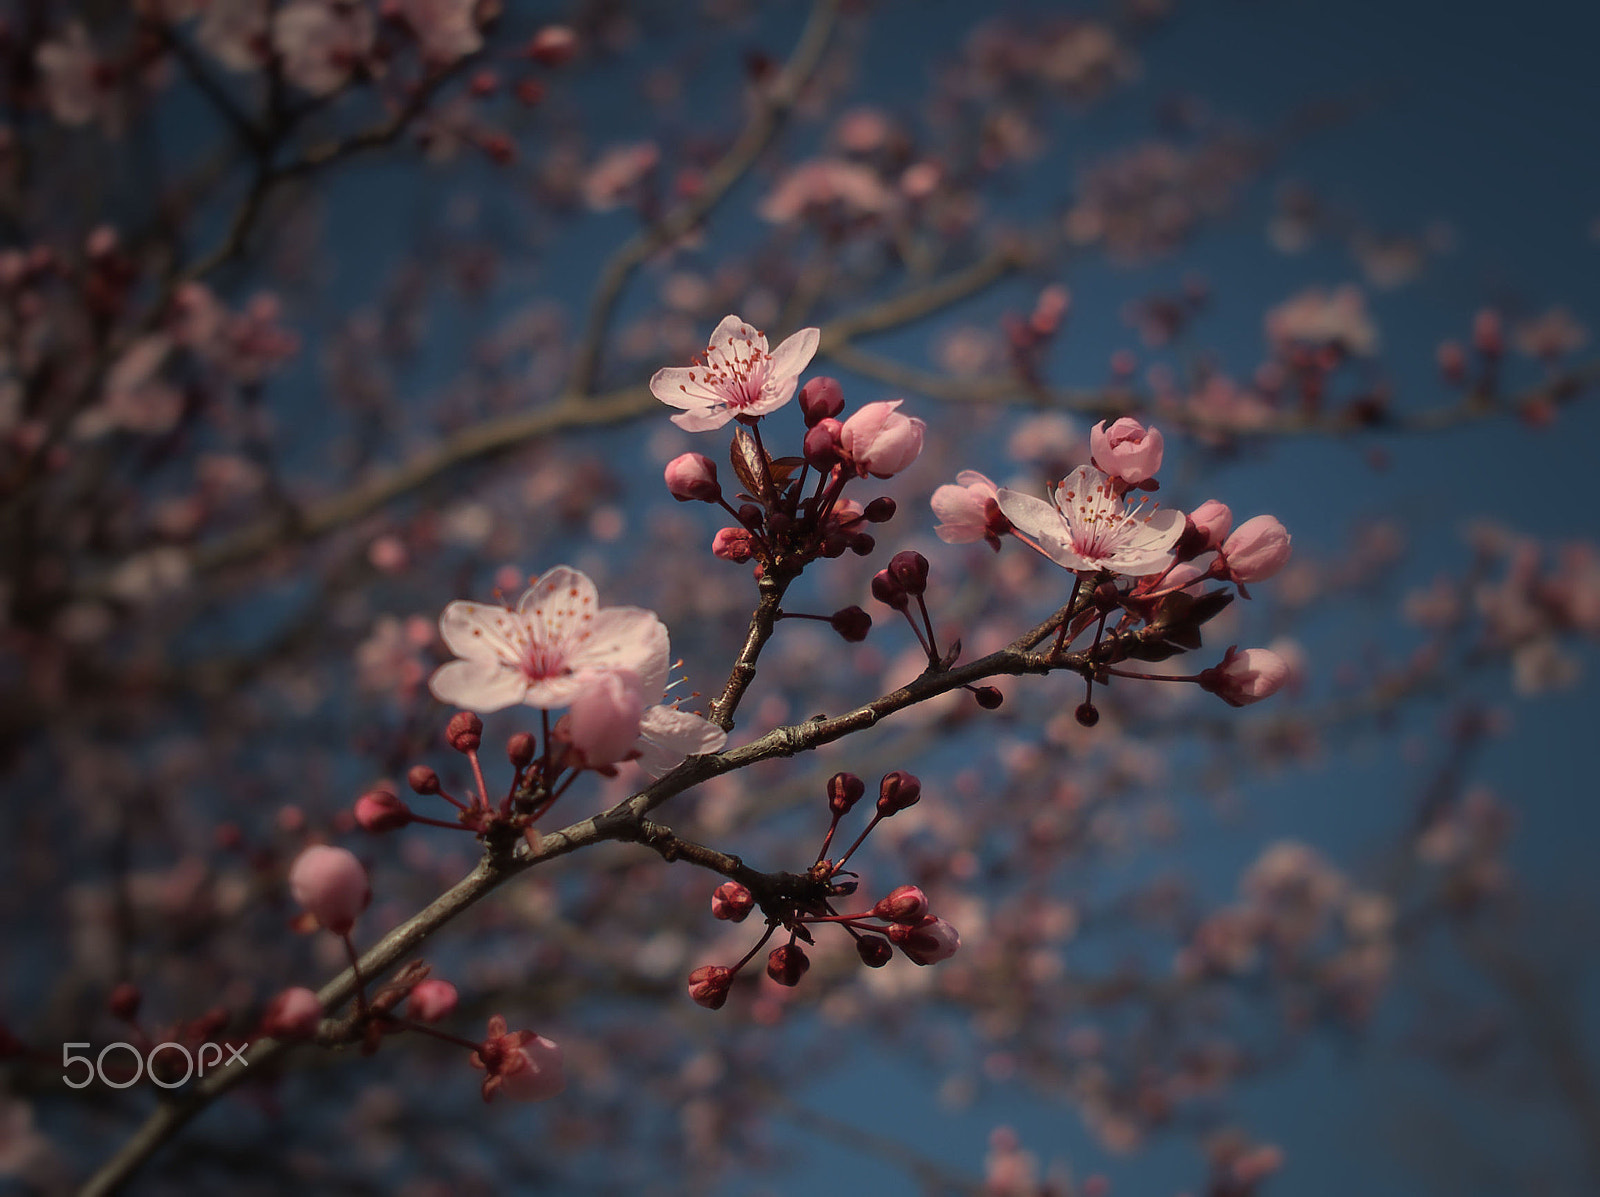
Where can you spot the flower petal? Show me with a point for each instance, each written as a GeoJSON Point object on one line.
{"type": "Point", "coordinates": [479, 686]}
{"type": "Point", "coordinates": [668, 735]}
{"type": "Point", "coordinates": [794, 354]}
{"type": "Point", "coordinates": [482, 632]}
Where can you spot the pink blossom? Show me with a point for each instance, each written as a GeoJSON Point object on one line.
{"type": "Point", "coordinates": [1258, 548]}
{"type": "Point", "coordinates": [1246, 677]}
{"type": "Point", "coordinates": [1318, 317]}
{"type": "Point", "coordinates": [969, 510]}
{"type": "Point", "coordinates": [235, 33]}
{"type": "Point", "coordinates": [604, 721]}
{"type": "Point", "coordinates": [1089, 528]}
{"type": "Point", "coordinates": [617, 173]}
{"type": "Point", "coordinates": [827, 183]}
{"type": "Point", "coordinates": [1127, 450]}
{"type": "Point", "coordinates": [321, 41]}
{"type": "Point", "coordinates": [1212, 522]}
{"type": "Point", "coordinates": [878, 440]}
{"type": "Point", "coordinates": [445, 29]}
{"type": "Point", "coordinates": [927, 942]}
{"type": "Point", "coordinates": [67, 69]}
{"type": "Point", "coordinates": [522, 1065]}
{"type": "Point", "coordinates": [330, 884]}
{"type": "Point", "coordinates": [545, 652]}
{"type": "Point", "coordinates": [735, 377]}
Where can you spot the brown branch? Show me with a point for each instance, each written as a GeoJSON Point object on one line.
{"type": "Point", "coordinates": [623, 822]}
{"type": "Point", "coordinates": [772, 106]}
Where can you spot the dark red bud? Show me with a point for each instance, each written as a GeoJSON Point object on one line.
{"type": "Point", "coordinates": [887, 590]}
{"type": "Point", "coordinates": [822, 445]}
{"type": "Point", "coordinates": [897, 791]}
{"type": "Point", "coordinates": [787, 964]}
{"type": "Point", "coordinates": [852, 623]}
{"type": "Point", "coordinates": [821, 399]}
{"type": "Point", "coordinates": [874, 950]}
{"type": "Point", "coordinates": [880, 511]}
{"type": "Point", "coordinates": [464, 732]}
{"type": "Point", "coordinates": [423, 780]}
{"type": "Point", "coordinates": [1086, 714]}
{"type": "Point", "coordinates": [844, 791]}
{"type": "Point", "coordinates": [910, 569]}
{"type": "Point", "coordinates": [381, 810]}
{"type": "Point", "coordinates": [988, 697]}
{"type": "Point", "coordinates": [520, 749]}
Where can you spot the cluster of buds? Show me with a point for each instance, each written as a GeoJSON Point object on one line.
{"type": "Point", "coordinates": [782, 521]}
{"type": "Point", "coordinates": [794, 903]}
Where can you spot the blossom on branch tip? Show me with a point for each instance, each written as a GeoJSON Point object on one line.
{"type": "Point", "coordinates": [330, 884]}
{"type": "Point", "coordinates": [1246, 677]}
{"type": "Point", "coordinates": [1257, 549]}
{"type": "Point", "coordinates": [736, 376]}
{"type": "Point", "coordinates": [1089, 528]}
{"type": "Point", "coordinates": [1127, 450]}
{"type": "Point", "coordinates": [926, 942]}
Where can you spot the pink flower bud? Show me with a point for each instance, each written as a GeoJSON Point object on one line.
{"type": "Point", "coordinates": [1213, 520]}
{"type": "Point", "coordinates": [331, 885]}
{"type": "Point", "coordinates": [874, 950]}
{"type": "Point", "coordinates": [1127, 449]}
{"type": "Point", "coordinates": [821, 447]}
{"type": "Point", "coordinates": [432, 1000]}
{"type": "Point", "coordinates": [293, 1014]}
{"type": "Point", "coordinates": [520, 749]}
{"type": "Point", "coordinates": [553, 46]}
{"type": "Point", "coordinates": [732, 902]}
{"type": "Point", "coordinates": [733, 544]}
{"type": "Point", "coordinates": [844, 791]}
{"type": "Point", "coordinates": [603, 722]}
{"type": "Point", "coordinates": [1258, 548]}
{"type": "Point", "coordinates": [878, 440]}
{"type": "Point", "coordinates": [709, 985]}
{"type": "Point", "coordinates": [423, 780]}
{"type": "Point", "coordinates": [897, 791]}
{"type": "Point", "coordinates": [693, 477]}
{"type": "Point", "coordinates": [927, 942]}
{"type": "Point", "coordinates": [910, 569]}
{"type": "Point", "coordinates": [969, 511]}
{"type": "Point", "coordinates": [852, 623]}
{"type": "Point", "coordinates": [381, 810]}
{"type": "Point", "coordinates": [906, 904]}
{"type": "Point", "coordinates": [821, 399]}
{"type": "Point", "coordinates": [787, 964]}
{"type": "Point", "coordinates": [1246, 677]}
{"type": "Point", "coordinates": [464, 732]}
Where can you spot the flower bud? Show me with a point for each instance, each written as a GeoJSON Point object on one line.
{"type": "Point", "coordinates": [852, 623]}
{"type": "Point", "coordinates": [731, 902]}
{"type": "Point", "coordinates": [693, 477]}
{"type": "Point", "coordinates": [124, 1001]}
{"type": "Point", "coordinates": [1257, 549]}
{"type": "Point", "coordinates": [1207, 527]}
{"type": "Point", "coordinates": [897, 791]}
{"type": "Point", "coordinates": [603, 721]}
{"type": "Point", "coordinates": [880, 511]}
{"type": "Point", "coordinates": [733, 544]}
{"type": "Point", "coordinates": [293, 1014]}
{"type": "Point", "coordinates": [379, 811]}
{"type": "Point", "coordinates": [709, 985]}
{"type": "Point", "coordinates": [905, 904]}
{"type": "Point", "coordinates": [821, 399]}
{"type": "Point", "coordinates": [844, 791]}
{"type": "Point", "coordinates": [910, 569]}
{"type": "Point", "coordinates": [331, 885]}
{"type": "Point", "coordinates": [927, 942]}
{"type": "Point", "coordinates": [821, 446]}
{"type": "Point", "coordinates": [553, 46]}
{"type": "Point", "coordinates": [1246, 677]}
{"type": "Point", "coordinates": [1087, 714]}
{"type": "Point", "coordinates": [1127, 450]}
{"type": "Point", "coordinates": [432, 1000]}
{"type": "Point", "coordinates": [886, 588]}
{"type": "Point", "coordinates": [878, 440]}
{"type": "Point", "coordinates": [464, 732]}
{"type": "Point", "coordinates": [520, 749]}
{"type": "Point", "coordinates": [787, 964]}
{"type": "Point", "coordinates": [874, 950]}
{"type": "Point", "coordinates": [423, 780]}
{"type": "Point", "coordinates": [989, 697]}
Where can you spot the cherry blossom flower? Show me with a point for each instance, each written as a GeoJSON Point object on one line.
{"type": "Point", "coordinates": [1246, 677]}
{"type": "Point", "coordinates": [736, 377]}
{"type": "Point", "coordinates": [969, 511]}
{"type": "Point", "coordinates": [1127, 450]}
{"type": "Point", "coordinates": [547, 651]}
{"type": "Point", "coordinates": [878, 440]}
{"type": "Point", "coordinates": [320, 42]}
{"type": "Point", "coordinates": [330, 884]}
{"type": "Point", "coordinates": [1089, 528]}
{"type": "Point", "coordinates": [522, 1065]}
{"type": "Point", "coordinates": [821, 184]}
